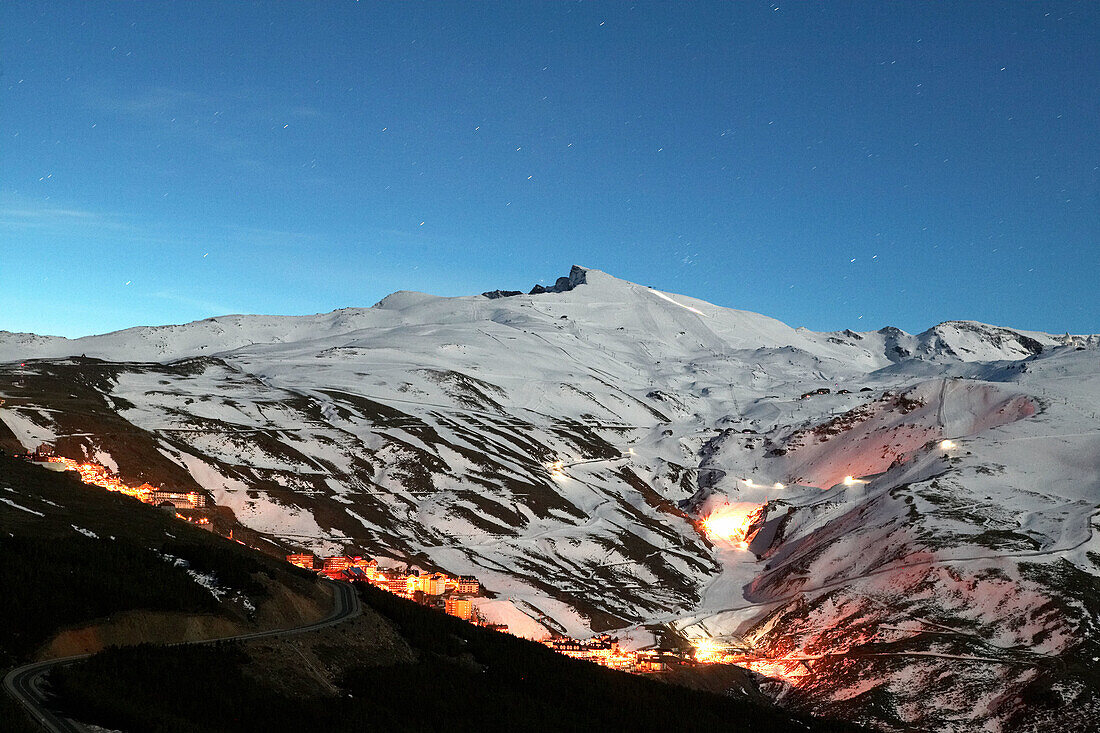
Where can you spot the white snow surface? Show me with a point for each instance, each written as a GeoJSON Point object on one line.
{"type": "Point", "coordinates": [86, 532]}
{"type": "Point", "coordinates": [11, 503]}
{"type": "Point", "coordinates": [29, 426]}
{"type": "Point", "coordinates": [425, 428]}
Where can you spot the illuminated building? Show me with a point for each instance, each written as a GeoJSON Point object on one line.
{"type": "Point", "coordinates": [335, 564]}
{"type": "Point", "coordinates": [178, 499]}
{"type": "Point", "coordinates": [460, 607]}
{"type": "Point", "coordinates": [468, 584]}
{"type": "Point", "coordinates": [304, 560]}
{"type": "Point", "coordinates": [599, 649]}
{"type": "Point", "coordinates": [649, 662]}
{"type": "Point", "coordinates": [354, 574]}
{"type": "Point", "coordinates": [429, 585]}
{"type": "Point", "coordinates": [396, 584]}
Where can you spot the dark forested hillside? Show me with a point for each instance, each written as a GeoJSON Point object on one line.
{"type": "Point", "coordinates": [460, 677]}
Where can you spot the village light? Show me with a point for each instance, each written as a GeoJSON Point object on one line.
{"type": "Point", "coordinates": [706, 649]}
{"type": "Point", "coordinates": [96, 474]}
{"type": "Point", "coordinates": [948, 444]}
{"type": "Point", "coordinates": [779, 485]}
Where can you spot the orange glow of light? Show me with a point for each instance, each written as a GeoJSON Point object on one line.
{"type": "Point", "coordinates": [731, 522]}
{"type": "Point", "coordinates": [97, 475]}
{"type": "Point", "coordinates": [707, 650]}
{"type": "Point", "coordinates": [788, 670]}
{"type": "Point", "coordinates": [852, 481]}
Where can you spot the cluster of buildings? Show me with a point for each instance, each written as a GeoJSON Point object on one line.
{"type": "Point", "coordinates": [448, 593]}
{"type": "Point", "coordinates": [604, 650]}
{"type": "Point", "coordinates": [453, 595]}
{"type": "Point", "coordinates": [99, 475]}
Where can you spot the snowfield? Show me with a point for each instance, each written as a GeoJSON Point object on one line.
{"type": "Point", "coordinates": [563, 447]}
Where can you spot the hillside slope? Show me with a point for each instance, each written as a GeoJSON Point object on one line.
{"type": "Point", "coordinates": [129, 576]}
{"type": "Point", "coordinates": [83, 569]}
{"type": "Point", "coordinates": [564, 446]}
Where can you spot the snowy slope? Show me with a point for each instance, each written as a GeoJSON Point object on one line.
{"type": "Point", "coordinates": [427, 429]}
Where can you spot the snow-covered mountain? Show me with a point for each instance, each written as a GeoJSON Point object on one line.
{"type": "Point", "coordinates": [564, 445]}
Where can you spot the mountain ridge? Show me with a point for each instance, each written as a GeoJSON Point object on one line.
{"type": "Point", "coordinates": [201, 337]}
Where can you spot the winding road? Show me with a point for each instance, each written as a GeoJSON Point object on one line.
{"type": "Point", "coordinates": [26, 683]}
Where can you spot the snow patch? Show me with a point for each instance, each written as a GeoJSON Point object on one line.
{"type": "Point", "coordinates": [11, 503]}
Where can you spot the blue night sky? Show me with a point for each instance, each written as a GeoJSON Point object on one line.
{"type": "Point", "coordinates": [832, 165]}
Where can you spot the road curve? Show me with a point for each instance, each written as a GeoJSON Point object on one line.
{"type": "Point", "coordinates": [25, 683]}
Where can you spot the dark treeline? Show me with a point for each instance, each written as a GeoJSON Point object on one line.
{"type": "Point", "coordinates": [232, 568]}
{"type": "Point", "coordinates": [465, 678]}
{"type": "Point", "coordinates": [49, 584]}
{"type": "Point", "coordinates": [54, 577]}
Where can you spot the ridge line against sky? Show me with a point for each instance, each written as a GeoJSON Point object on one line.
{"type": "Point", "coordinates": [830, 166]}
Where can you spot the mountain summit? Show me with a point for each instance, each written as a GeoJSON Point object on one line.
{"type": "Point", "coordinates": [594, 300]}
